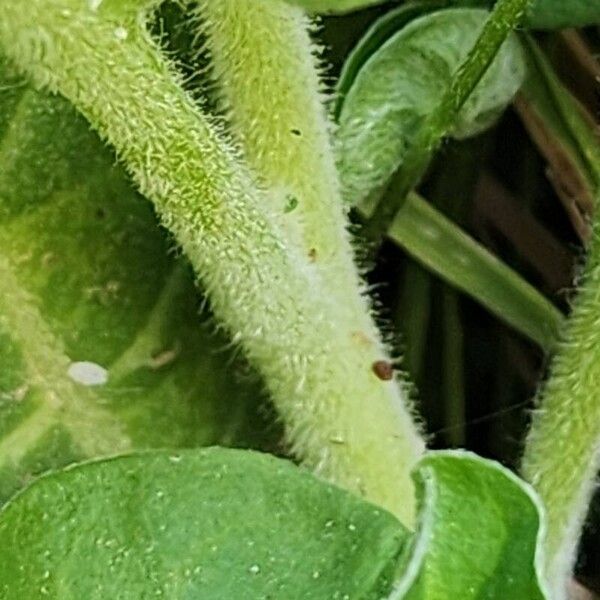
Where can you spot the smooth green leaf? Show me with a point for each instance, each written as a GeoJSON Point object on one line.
{"type": "Point", "coordinates": [404, 81]}
{"type": "Point", "coordinates": [445, 249]}
{"type": "Point", "coordinates": [214, 524]}
{"type": "Point", "coordinates": [552, 14]}
{"type": "Point", "coordinates": [478, 533]}
{"type": "Point", "coordinates": [89, 293]}
{"type": "Point", "coordinates": [228, 524]}
{"type": "Point", "coordinates": [381, 30]}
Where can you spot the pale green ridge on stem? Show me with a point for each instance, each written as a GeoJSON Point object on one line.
{"type": "Point", "coordinates": [345, 423]}
{"type": "Point", "coordinates": [562, 453]}
{"type": "Point", "coordinates": [76, 406]}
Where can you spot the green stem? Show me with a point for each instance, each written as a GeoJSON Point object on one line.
{"type": "Point", "coordinates": [453, 365]}
{"type": "Point", "coordinates": [562, 456]}
{"type": "Point", "coordinates": [505, 18]}
{"type": "Point", "coordinates": [281, 123]}
{"type": "Point", "coordinates": [345, 422]}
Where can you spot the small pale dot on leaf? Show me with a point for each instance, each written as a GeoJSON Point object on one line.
{"type": "Point", "coordinates": [88, 373]}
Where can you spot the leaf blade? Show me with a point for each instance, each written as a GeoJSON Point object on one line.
{"type": "Point", "coordinates": [88, 281]}
{"type": "Point", "coordinates": [478, 534]}
{"type": "Point", "coordinates": [446, 250]}
{"type": "Point", "coordinates": [212, 523]}
{"type": "Point", "coordinates": [402, 85]}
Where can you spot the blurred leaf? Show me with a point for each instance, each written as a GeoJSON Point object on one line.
{"type": "Point", "coordinates": [565, 133]}
{"type": "Point", "coordinates": [552, 14]}
{"type": "Point", "coordinates": [101, 342]}
{"type": "Point", "coordinates": [412, 317]}
{"type": "Point", "coordinates": [334, 6]}
{"type": "Point", "coordinates": [453, 369]}
{"type": "Point", "coordinates": [403, 83]}
{"type": "Point", "coordinates": [445, 249]}
{"type": "Point", "coordinates": [214, 524]}
{"type": "Point", "coordinates": [557, 14]}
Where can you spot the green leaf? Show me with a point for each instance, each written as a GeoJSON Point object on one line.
{"type": "Point", "coordinates": [565, 134]}
{"type": "Point", "coordinates": [556, 14]}
{"type": "Point", "coordinates": [403, 83]}
{"type": "Point", "coordinates": [214, 524]}
{"type": "Point", "coordinates": [90, 293]}
{"type": "Point", "coordinates": [551, 14]}
{"type": "Point", "coordinates": [381, 30]}
{"type": "Point", "coordinates": [562, 112]}
{"type": "Point", "coordinates": [477, 534]}
{"type": "Point", "coordinates": [224, 524]}
{"type": "Point", "coordinates": [334, 6]}
{"type": "Point", "coordinates": [445, 249]}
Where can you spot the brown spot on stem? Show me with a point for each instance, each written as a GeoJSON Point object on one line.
{"type": "Point", "coordinates": [312, 254]}
{"type": "Point", "coordinates": [383, 370]}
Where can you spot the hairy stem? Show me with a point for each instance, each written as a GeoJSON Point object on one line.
{"type": "Point", "coordinates": [266, 72]}
{"type": "Point", "coordinates": [562, 454]}
{"type": "Point", "coordinates": [265, 69]}
{"type": "Point", "coordinates": [345, 422]}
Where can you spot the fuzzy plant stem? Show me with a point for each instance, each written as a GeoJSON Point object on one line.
{"type": "Point", "coordinates": [562, 453]}
{"type": "Point", "coordinates": [265, 70]}
{"type": "Point", "coordinates": [345, 422]}
{"type": "Point", "coordinates": [266, 74]}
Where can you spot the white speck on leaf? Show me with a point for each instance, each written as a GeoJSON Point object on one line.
{"type": "Point", "coordinates": [88, 373]}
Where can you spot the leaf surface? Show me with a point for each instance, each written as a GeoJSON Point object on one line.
{"type": "Point", "coordinates": [218, 524]}
{"type": "Point", "coordinates": [224, 524]}
{"type": "Point", "coordinates": [553, 14]}
{"type": "Point", "coordinates": [477, 536]}
{"type": "Point", "coordinates": [556, 14]}
{"type": "Point", "coordinates": [402, 83]}
{"type": "Point", "coordinates": [102, 346]}
{"type": "Point", "coordinates": [543, 14]}
{"type": "Point", "coordinates": [379, 32]}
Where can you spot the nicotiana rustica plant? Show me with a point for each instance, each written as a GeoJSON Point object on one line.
{"type": "Point", "coordinates": [132, 128]}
